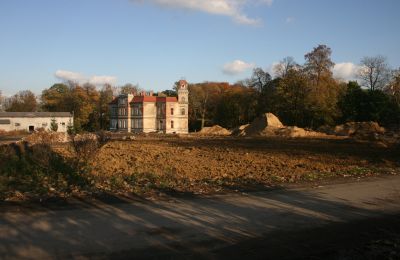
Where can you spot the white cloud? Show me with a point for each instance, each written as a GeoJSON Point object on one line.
{"type": "Point", "coordinates": [69, 75]}
{"type": "Point", "coordinates": [82, 79]}
{"type": "Point", "coordinates": [101, 80]}
{"type": "Point", "coordinates": [345, 71]}
{"type": "Point", "coordinates": [236, 67]}
{"type": "Point", "coordinates": [231, 8]}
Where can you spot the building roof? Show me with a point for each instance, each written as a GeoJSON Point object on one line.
{"type": "Point", "coordinates": [35, 114]}
{"type": "Point", "coordinates": [139, 99]}
{"type": "Point", "coordinates": [167, 99]}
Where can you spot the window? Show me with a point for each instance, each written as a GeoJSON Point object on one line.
{"type": "Point", "coordinates": [122, 112]}
{"type": "Point", "coordinates": [136, 123]}
{"type": "Point", "coordinates": [136, 110]}
{"type": "Point", "coordinates": [17, 124]}
{"type": "Point", "coordinates": [44, 124]}
{"type": "Point", "coordinates": [5, 121]}
{"type": "Point", "coordinates": [172, 124]}
{"type": "Point", "coordinates": [182, 111]}
{"type": "Point", "coordinates": [122, 124]}
{"type": "Point", "coordinates": [172, 111]}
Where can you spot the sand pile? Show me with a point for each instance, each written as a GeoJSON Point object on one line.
{"type": "Point", "coordinates": [270, 125]}
{"type": "Point", "coordinates": [266, 124]}
{"type": "Point", "coordinates": [214, 130]}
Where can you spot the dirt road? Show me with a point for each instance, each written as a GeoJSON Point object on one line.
{"type": "Point", "coordinates": [276, 223]}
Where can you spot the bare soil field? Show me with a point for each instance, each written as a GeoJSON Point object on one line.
{"type": "Point", "coordinates": [159, 165]}
{"type": "Point", "coordinates": [212, 164]}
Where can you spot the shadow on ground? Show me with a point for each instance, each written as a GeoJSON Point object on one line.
{"type": "Point", "coordinates": [279, 224]}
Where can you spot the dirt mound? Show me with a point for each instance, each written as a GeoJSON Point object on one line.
{"type": "Point", "coordinates": [41, 137]}
{"type": "Point", "coordinates": [270, 125]}
{"type": "Point", "coordinates": [214, 130]}
{"type": "Point", "coordinates": [238, 131]}
{"type": "Point", "coordinates": [266, 123]}
{"type": "Point", "coordinates": [327, 129]}
{"type": "Point", "coordinates": [359, 129]}
{"type": "Point", "coordinates": [294, 131]}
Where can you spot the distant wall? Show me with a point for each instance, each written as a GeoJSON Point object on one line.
{"type": "Point", "coordinates": [24, 123]}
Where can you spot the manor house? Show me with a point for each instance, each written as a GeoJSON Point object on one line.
{"type": "Point", "coordinates": [145, 113]}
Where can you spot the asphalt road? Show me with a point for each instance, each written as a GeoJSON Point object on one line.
{"type": "Point", "coordinates": [276, 223]}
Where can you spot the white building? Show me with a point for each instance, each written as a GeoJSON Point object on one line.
{"type": "Point", "coordinates": [147, 113]}
{"type": "Point", "coordinates": [31, 121]}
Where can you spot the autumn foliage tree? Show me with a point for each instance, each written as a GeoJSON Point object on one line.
{"type": "Point", "coordinates": [324, 89]}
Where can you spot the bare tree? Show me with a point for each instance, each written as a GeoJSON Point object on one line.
{"type": "Point", "coordinates": [129, 89]}
{"type": "Point", "coordinates": [260, 79]}
{"type": "Point", "coordinates": [374, 72]}
{"type": "Point", "coordinates": [23, 101]}
{"type": "Point", "coordinates": [282, 68]}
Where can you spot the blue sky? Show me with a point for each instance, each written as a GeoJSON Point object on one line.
{"type": "Point", "coordinates": [156, 42]}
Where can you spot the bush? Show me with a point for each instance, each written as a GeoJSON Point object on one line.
{"type": "Point", "coordinates": [35, 171]}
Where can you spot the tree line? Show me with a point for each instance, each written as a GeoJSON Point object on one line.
{"type": "Point", "coordinates": [306, 95]}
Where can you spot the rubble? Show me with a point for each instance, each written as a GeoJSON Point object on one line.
{"type": "Point", "coordinates": [359, 129]}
